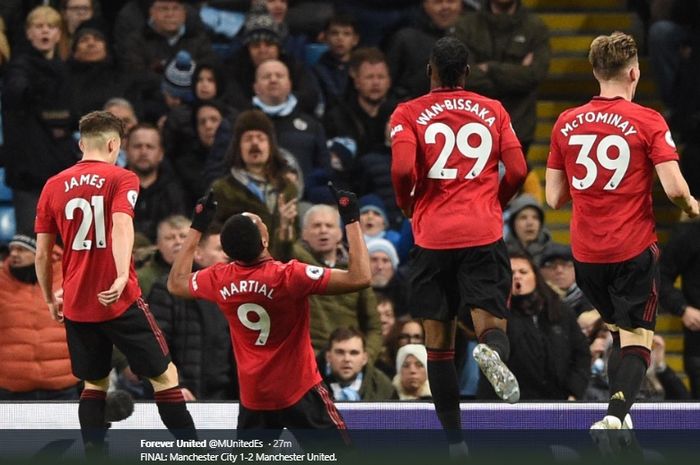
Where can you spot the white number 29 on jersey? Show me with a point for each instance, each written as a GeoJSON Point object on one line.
{"type": "Point", "coordinates": [481, 152]}
{"type": "Point", "coordinates": [619, 164]}
{"type": "Point", "coordinates": [262, 325]}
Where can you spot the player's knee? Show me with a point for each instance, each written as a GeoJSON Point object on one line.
{"type": "Point", "coordinates": [636, 337]}
{"type": "Point", "coordinates": [438, 334]}
{"type": "Point", "coordinates": [166, 380]}
{"type": "Point", "coordinates": [98, 384]}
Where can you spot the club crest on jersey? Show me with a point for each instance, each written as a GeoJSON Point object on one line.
{"type": "Point", "coordinates": [669, 139]}
{"type": "Point", "coordinates": [314, 272]}
{"type": "Point", "coordinates": [131, 196]}
{"type": "Point", "coordinates": [195, 286]}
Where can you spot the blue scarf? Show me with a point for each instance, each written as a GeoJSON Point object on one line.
{"type": "Point", "coordinates": [283, 109]}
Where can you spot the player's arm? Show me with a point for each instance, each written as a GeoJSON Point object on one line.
{"type": "Point", "coordinates": [403, 160]}
{"type": "Point", "coordinates": [122, 246]}
{"type": "Point", "coordinates": [44, 273]}
{"type": "Point", "coordinates": [516, 171]}
{"type": "Point", "coordinates": [676, 187]}
{"type": "Point", "coordinates": [556, 188]}
{"type": "Point", "coordinates": [358, 274]}
{"type": "Point", "coordinates": [181, 271]}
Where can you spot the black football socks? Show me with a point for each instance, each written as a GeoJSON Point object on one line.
{"type": "Point", "coordinates": [442, 375]}
{"type": "Point", "coordinates": [174, 413]}
{"type": "Point", "coordinates": [634, 361]}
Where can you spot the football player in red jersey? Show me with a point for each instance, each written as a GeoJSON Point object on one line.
{"type": "Point", "coordinates": [266, 304]}
{"type": "Point", "coordinates": [91, 206]}
{"type": "Point", "coordinates": [446, 147]}
{"type": "Point", "coordinates": [603, 156]}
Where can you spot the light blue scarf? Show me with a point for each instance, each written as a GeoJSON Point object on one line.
{"type": "Point", "coordinates": [283, 109]}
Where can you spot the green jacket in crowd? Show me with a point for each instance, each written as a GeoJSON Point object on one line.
{"type": "Point", "coordinates": [233, 197]}
{"type": "Point", "coordinates": [503, 41]}
{"type": "Point", "coordinates": [328, 312]}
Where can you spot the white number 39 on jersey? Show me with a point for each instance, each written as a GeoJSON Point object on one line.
{"type": "Point", "coordinates": [619, 165]}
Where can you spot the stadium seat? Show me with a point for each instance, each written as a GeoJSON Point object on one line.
{"type": "Point", "coordinates": [5, 192]}
{"type": "Point", "coordinates": [313, 53]}
{"type": "Point", "coordinates": [7, 224]}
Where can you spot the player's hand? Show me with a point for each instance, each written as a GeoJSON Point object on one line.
{"type": "Point", "coordinates": [56, 306]}
{"type": "Point", "coordinates": [691, 318]}
{"type": "Point", "coordinates": [187, 394]}
{"type": "Point", "coordinates": [694, 210]}
{"type": "Point", "coordinates": [287, 210]}
{"type": "Point", "coordinates": [348, 207]}
{"type": "Point", "coordinates": [204, 212]}
{"type": "Point", "coordinates": [408, 212]}
{"type": "Point", "coordinates": [112, 294]}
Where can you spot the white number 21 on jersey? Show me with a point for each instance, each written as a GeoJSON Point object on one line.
{"type": "Point", "coordinates": [481, 152]}
{"type": "Point", "coordinates": [96, 204]}
{"type": "Point", "coordinates": [619, 164]}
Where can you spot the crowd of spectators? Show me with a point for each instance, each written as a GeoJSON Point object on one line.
{"type": "Point", "coordinates": [264, 102]}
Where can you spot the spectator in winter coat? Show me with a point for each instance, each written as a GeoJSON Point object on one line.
{"type": "Point", "coordinates": [33, 349]}
{"type": "Point", "coordinates": [348, 372]}
{"type": "Point", "coordinates": [549, 354]}
{"type": "Point", "coordinates": [36, 115]}
{"type": "Point", "coordinates": [197, 332]}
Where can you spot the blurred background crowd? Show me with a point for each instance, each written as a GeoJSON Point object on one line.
{"type": "Point", "coordinates": [264, 102]}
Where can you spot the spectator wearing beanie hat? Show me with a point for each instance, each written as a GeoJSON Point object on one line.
{"type": "Point", "coordinates": [35, 360]}
{"type": "Point", "coordinates": [94, 77]}
{"type": "Point", "coordinates": [177, 80]}
{"type": "Point", "coordinates": [256, 177]}
{"type": "Point", "coordinates": [387, 278]}
{"type": "Point", "coordinates": [384, 261]}
{"type": "Point", "coordinates": [411, 380]}
{"type": "Point", "coordinates": [74, 13]}
{"type": "Point", "coordinates": [261, 28]}
{"type": "Point", "coordinates": [526, 230]}
{"type": "Point", "coordinates": [262, 40]}
{"type": "Point", "coordinates": [149, 48]}
{"type": "Point", "coordinates": [374, 221]}
{"type": "Point", "coordinates": [342, 171]}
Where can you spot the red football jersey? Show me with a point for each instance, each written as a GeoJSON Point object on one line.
{"type": "Point", "coordinates": [267, 309]}
{"type": "Point", "coordinates": [608, 149]}
{"type": "Point", "coordinates": [78, 204]}
{"type": "Point", "coordinates": [459, 137]}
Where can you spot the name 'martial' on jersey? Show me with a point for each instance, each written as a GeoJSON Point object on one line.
{"type": "Point", "coordinates": [455, 104]}
{"type": "Point", "coordinates": [249, 285]}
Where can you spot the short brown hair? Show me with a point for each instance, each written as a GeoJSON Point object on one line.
{"type": "Point", "coordinates": [145, 127]}
{"type": "Point", "coordinates": [98, 124]}
{"type": "Point", "coordinates": [343, 334]}
{"type": "Point", "coordinates": [371, 55]}
{"type": "Point", "coordinates": [611, 54]}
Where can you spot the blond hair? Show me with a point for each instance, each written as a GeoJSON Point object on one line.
{"type": "Point", "coordinates": [4, 44]}
{"type": "Point", "coordinates": [611, 54]}
{"type": "Point", "coordinates": [45, 13]}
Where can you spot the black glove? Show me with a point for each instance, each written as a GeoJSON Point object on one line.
{"type": "Point", "coordinates": [204, 212]}
{"type": "Point", "coordinates": [347, 204]}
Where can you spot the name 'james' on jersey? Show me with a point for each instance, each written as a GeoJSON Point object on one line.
{"type": "Point", "coordinates": [459, 138]}
{"type": "Point", "coordinates": [608, 149]}
{"type": "Point", "coordinates": [78, 204]}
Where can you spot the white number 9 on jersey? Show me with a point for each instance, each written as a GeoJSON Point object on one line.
{"type": "Point", "coordinates": [262, 325]}
{"type": "Point", "coordinates": [619, 164]}
{"type": "Point", "coordinates": [481, 152]}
